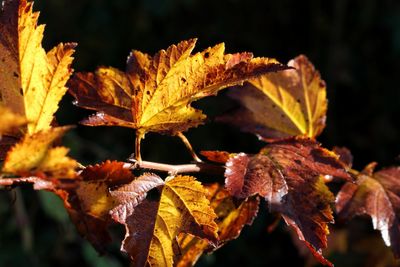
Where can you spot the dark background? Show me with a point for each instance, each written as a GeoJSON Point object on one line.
{"type": "Point", "coordinates": [355, 45]}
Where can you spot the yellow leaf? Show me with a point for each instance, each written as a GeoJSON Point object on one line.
{"type": "Point", "coordinates": [93, 191]}
{"type": "Point", "coordinates": [154, 224]}
{"type": "Point", "coordinates": [9, 120]}
{"type": "Point", "coordinates": [31, 81]}
{"type": "Point", "coordinates": [231, 220]}
{"type": "Point", "coordinates": [289, 103]}
{"type": "Point", "coordinates": [58, 164]}
{"type": "Point", "coordinates": [154, 93]}
{"type": "Point", "coordinates": [34, 153]}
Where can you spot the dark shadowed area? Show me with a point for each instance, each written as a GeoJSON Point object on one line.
{"type": "Point", "coordinates": [354, 44]}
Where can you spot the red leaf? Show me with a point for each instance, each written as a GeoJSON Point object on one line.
{"type": "Point", "coordinates": [377, 195]}
{"type": "Point", "coordinates": [288, 174]}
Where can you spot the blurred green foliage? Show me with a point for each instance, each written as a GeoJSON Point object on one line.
{"type": "Point", "coordinates": [355, 45]}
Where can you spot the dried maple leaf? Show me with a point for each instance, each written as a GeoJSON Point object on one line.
{"type": "Point", "coordinates": [153, 224]}
{"type": "Point", "coordinates": [34, 154]}
{"type": "Point", "coordinates": [231, 220]}
{"type": "Point", "coordinates": [376, 194]}
{"type": "Point", "coordinates": [154, 93]}
{"type": "Point", "coordinates": [31, 81]}
{"type": "Point", "coordinates": [289, 175]}
{"type": "Point", "coordinates": [279, 105]}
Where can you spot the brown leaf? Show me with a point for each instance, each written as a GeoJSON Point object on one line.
{"type": "Point", "coordinates": [154, 93]}
{"type": "Point", "coordinates": [216, 156]}
{"type": "Point", "coordinates": [284, 104]}
{"type": "Point", "coordinates": [376, 194]}
{"type": "Point", "coordinates": [231, 220]}
{"type": "Point", "coordinates": [153, 224]}
{"type": "Point", "coordinates": [289, 175]}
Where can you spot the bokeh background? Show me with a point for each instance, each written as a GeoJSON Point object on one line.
{"type": "Point", "coordinates": [355, 45]}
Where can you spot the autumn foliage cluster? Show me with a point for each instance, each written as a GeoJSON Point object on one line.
{"type": "Point", "coordinates": [173, 219]}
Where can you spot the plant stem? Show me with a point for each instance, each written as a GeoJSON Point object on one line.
{"type": "Point", "coordinates": [138, 139]}
{"type": "Point", "coordinates": [175, 169]}
{"type": "Point", "coordinates": [189, 147]}
{"type": "Point", "coordinates": [13, 181]}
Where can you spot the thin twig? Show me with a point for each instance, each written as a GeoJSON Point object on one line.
{"type": "Point", "coordinates": [175, 169]}
{"type": "Point", "coordinates": [138, 139]}
{"type": "Point", "coordinates": [13, 181]}
{"type": "Point", "coordinates": [189, 147]}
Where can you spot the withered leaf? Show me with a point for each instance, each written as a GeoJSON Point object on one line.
{"type": "Point", "coordinates": [284, 104]}
{"type": "Point", "coordinates": [376, 194]}
{"type": "Point", "coordinates": [154, 93]}
{"type": "Point", "coordinates": [153, 224]}
{"type": "Point", "coordinates": [289, 175]}
{"type": "Point", "coordinates": [34, 154]}
{"type": "Point", "coordinates": [231, 220]}
{"type": "Point", "coordinates": [31, 81]}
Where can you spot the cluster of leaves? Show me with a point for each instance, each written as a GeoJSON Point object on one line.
{"type": "Point", "coordinates": [174, 221]}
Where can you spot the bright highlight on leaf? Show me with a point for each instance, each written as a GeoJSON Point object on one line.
{"type": "Point", "coordinates": [376, 194]}
{"type": "Point", "coordinates": [154, 93]}
{"type": "Point", "coordinates": [32, 82]}
{"type": "Point", "coordinates": [284, 104]}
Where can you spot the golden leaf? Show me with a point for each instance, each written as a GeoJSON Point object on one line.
{"type": "Point", "coordinates": [289, 103]}
{"type": "Point", "coordinates": [32, 82]}
{"type": "Point", "coordinates": [154, 93]}
{"type": "Point", "coordinates": [34, 154]}
{"type": "Point", "coordinates": [154, 223]}
{"type": "Point", "coordinates": [9, 120]}
{"type": "Point", "coordinates": [231, 220]}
